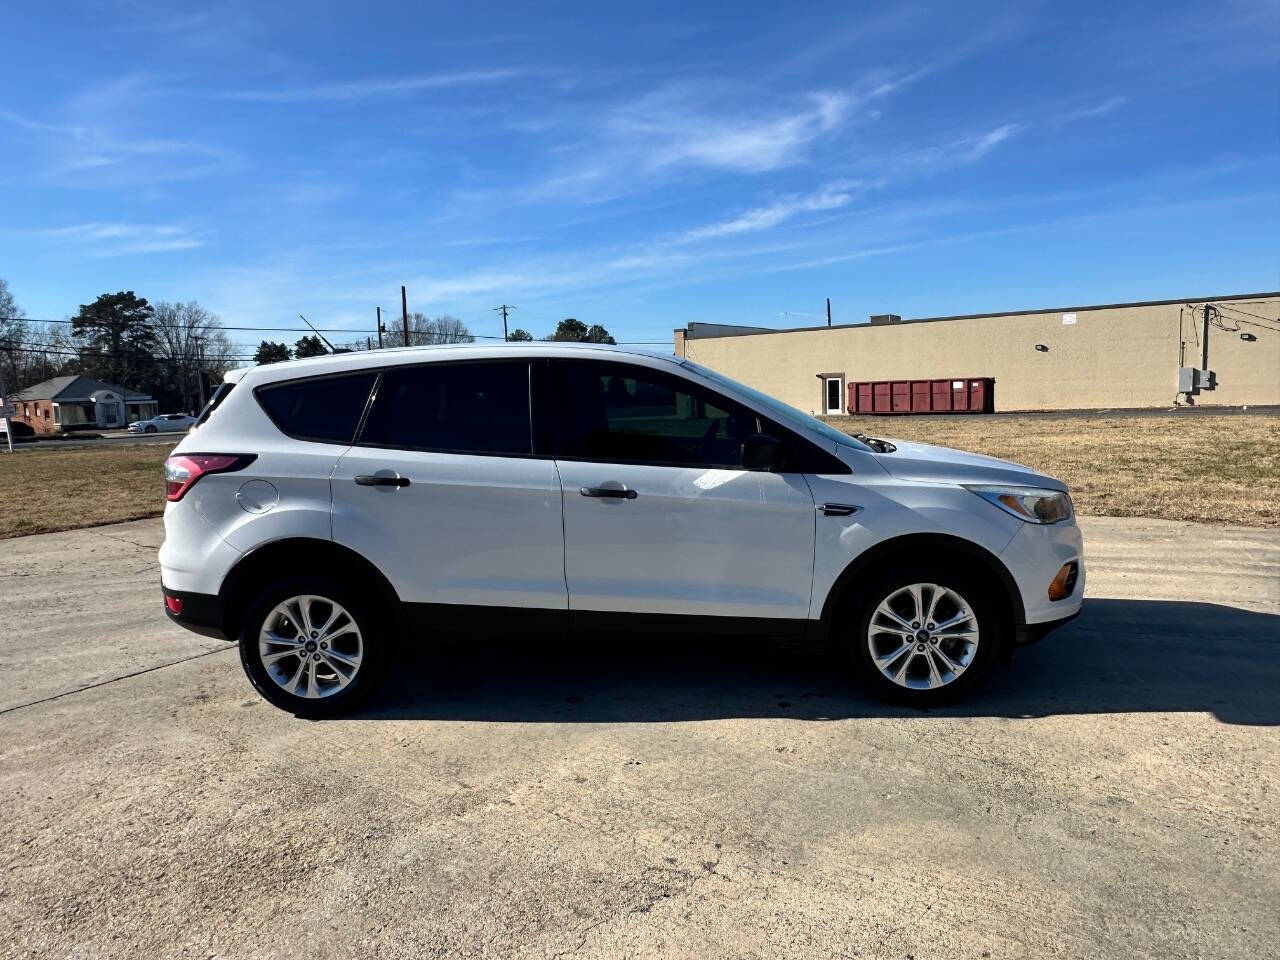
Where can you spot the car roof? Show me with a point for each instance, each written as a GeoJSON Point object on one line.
{"type": "Point", "coordinates": [397, 356]}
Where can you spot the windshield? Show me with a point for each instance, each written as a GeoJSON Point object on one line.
{"type": "Point", "coordinates": [783, 412]}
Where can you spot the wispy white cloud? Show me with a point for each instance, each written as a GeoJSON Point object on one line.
{"type": "Point", "coordinates": [1109, 105]}
{"type": "Point", "coordinates": [956, 152]}
{"type": "Point", "coordinates": [83, 155]}
{"type": "Point", "coordinates": [372, 87]}
{"type": "Point", "coordinates": [27, 124]}
{"type": "Point", "coordinates": [834, 195]}
{"type": "Point", "coordinates": [711, 126]}
{"type": "Point", "coordinates": [119, 239]}
{"type": "Point", "coordinates": [671, 132]}
{"type": "Point", "coordinates": [978, 147]}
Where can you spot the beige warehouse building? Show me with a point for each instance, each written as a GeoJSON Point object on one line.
{"type": "Point", "coordinates": [1069, 358]}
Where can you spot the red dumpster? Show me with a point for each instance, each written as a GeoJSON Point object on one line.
{"type": "Point", "coordinates": [954, 395]}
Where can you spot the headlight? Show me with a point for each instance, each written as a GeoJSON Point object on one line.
{"type": "Point", "coordinates": [1033, 504]}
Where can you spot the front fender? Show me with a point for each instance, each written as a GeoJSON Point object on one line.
{"type": "Point", "coordinates": [891, 511]}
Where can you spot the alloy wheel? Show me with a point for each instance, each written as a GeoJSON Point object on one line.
{"type": "Point", "coordinates": [923, 636]}
{"type": "Point", "coordinates": [310, 646]}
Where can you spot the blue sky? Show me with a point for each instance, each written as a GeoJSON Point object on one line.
{"type": "Point", "coordinates": [639, 166]}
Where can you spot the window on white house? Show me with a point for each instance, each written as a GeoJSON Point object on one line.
{"type": "Point", "coordinates": [833, 390]}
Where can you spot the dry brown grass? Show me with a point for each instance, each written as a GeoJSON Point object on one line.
{"type": "Point", "coordinates": [1210, 469]}
{"type": "Point", "coordinates": [46, 490]}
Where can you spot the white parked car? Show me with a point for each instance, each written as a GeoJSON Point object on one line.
{"type": "Point", "coordinates": [165, 423]}
{"type": "Point", "coordinates": [325, 507]}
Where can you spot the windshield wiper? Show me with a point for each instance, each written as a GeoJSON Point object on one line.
{"type": "Point", "coordinates": [879, 446]}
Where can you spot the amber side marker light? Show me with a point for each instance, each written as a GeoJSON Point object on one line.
{"type": "Point", "coordinates": [1064, 582]}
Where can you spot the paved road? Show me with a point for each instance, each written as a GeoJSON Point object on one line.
{"type": "Point", "coordinates": [111, 439]}
{"type": "Point", "coordinates": [1115, 793]}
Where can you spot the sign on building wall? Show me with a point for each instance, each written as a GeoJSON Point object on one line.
{"type": "Point", "coordinates": [1068, 319]}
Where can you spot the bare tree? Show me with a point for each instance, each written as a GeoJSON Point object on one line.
{"type": "Point", "coordinates": [443, 329]}
{"type": "Point", "coordinates": [47, 351]}
{"type": "Point", "coordinates": [190, 343]}
{"type": "Point", "coordinates": [12, 335]}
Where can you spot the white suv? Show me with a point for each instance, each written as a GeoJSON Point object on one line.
{"type": "Point", "coordinates": [325, 507]}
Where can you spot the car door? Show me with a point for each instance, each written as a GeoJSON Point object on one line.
{"type": "Point", "coordinates": [660, 517]}
{"type": "Point", "coordinates": [443, 493]}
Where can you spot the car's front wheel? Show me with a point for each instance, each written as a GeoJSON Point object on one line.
{"type": "Point", "coordinates": [311, 648]}
{"type": "Point", "coordinates": [923, 636]}
{"type": "Point", "coordinates": [150, 428]}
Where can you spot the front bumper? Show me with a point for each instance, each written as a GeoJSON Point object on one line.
{"type": "Point", "coordinates": [198, 612]}
{"type": "Point", "coordinates": [1033, 557]}
{"type": "Point", "coordinates": [1030, 633]}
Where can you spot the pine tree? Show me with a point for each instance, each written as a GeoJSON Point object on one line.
{"type": "Point", "coordinates": [116, 339]}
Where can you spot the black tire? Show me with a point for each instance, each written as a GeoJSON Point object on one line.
{"type": "Point", "coordinates": [149, 428]}
{"type": "Point", "coordinates": [855, 641]}
{"type": "Point", "coordinates": [374, 644]}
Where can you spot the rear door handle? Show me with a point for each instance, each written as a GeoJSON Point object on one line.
{"type": "Point", "coordinates": [616, 493]}
{"type": "Point", "coordinates": [376, 480]}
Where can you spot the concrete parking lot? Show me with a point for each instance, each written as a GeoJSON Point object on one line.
{"type": "Point", "coordinates": [1114, 793]}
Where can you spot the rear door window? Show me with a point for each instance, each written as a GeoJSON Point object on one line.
{"type": "Point", "coordinates": [324, 409]}
{"type": "Point", "coordinates": [471, 408]}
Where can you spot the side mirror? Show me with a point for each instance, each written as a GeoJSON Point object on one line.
{"type": "Point", "coordinates": [760, 452]}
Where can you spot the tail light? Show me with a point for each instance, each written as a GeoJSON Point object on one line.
{"type": "Point", "coordinates": [182, 470]}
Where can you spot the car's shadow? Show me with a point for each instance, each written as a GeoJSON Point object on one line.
{"type": "Point", "coordinates": [1119, 656]}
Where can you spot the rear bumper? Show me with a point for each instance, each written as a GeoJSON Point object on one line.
{"type": "Point", "coordinates": [200, 612]}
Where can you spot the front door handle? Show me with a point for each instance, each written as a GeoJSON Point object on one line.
{"type": "Point", "coordinates": [616, 493]}
{"type": "Point", "coordinates": [381, 480]}
{"type": "Point", "coordinates": [838, 509]}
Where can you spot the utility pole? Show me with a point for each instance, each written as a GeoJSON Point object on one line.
{"type": "Point", "coordinates": [503, 310]}
{"type": "Point", "coordinates": [1204, 340]}
{"type": "Point", "coordinates": [404, 313]}
{"type": "Point", "coordinates": [828, 311]}
{"type": "Point", "coordinates": [200, 369]}
{"type": "Point", "coordinates": [380, 328]}
{"type": "Point", "coordinates": [368, 343]}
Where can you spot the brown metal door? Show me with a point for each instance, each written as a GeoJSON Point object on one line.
{"type": "Point", "coordinates": [882, 401]}
{"type": "Point", "coordinates": [901, 396]}
{"type": "Point", "coordinates": [920, 400]}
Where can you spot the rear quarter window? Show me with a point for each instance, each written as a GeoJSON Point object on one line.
{"type": "Point", "coordinates": [215, 401]}
{"type": "Point", "coordinates": [323, 409]}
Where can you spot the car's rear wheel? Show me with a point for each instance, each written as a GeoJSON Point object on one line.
{"type": "Point", "coordinates": [922, 636]}
{"type": "Point", "coordinates": [312, 648]}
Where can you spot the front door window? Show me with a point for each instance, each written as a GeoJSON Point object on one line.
{"type": "Point", "coordinates": [617, 413]}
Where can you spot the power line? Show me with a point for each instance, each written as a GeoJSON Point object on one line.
{"type": "Point", "coordinates": [118, 323]}
{"type": "Point", "coordinates": [1256, 316]}
{"type": "Point", "coordinates": [33, 347]}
